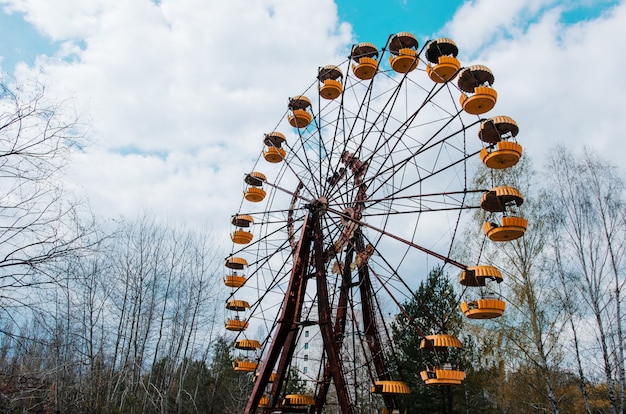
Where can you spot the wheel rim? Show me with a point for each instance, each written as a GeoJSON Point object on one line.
{"type": "Point", "coordinates": [357, 199]}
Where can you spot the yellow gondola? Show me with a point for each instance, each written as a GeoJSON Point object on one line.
{"type": "Point", "coordinates": [241, 235]}
{"type": "Point", "coordinates": [247, 344]}
{"type": "Point", "coordinates": [403, 49]}
{"type": "Point", "coordinates": [264, 401]}
{"type": "Point", "coordinates": [443, 66]}
{"type": "Point", "coordinates": [233, 279]}
{"type": "Point", "coordinates": [477, 80]}
{"type": "Point", "coordinates": [504, 200]}
{"type": "Point", "coordinates": [390, 387]}
{"type": "Point", "coordinates": [273, 152]}
{"type": "Point", "coordinates": [298, 400]}
{"type": "Point", "coordinates": [244, 365]}
{"type": "Point", "coordinates": [331, 87]}
{"type": "Point", "coordinates": [299, 117]}
{"type": "Point", "coordinates": [446, 374]}
{"type": "Point", "coordinates": [498, 131]}
{"type": "Point", "coordinates": [489, 305]}
{"type": "Point", "coordinates": [365, 57]}
{"type": "Point", "coordinates": [236, 325]}
{"type": "Point", "coordinates": [254, 191]}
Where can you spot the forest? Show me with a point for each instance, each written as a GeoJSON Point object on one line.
{"type": "Point", "coordinates": [126, 316]}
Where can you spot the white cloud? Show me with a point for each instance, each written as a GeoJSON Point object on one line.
{"type": "Point", "coordinates": [479, 22]}
{"type": "Point", "coordinates": [561, 83]}
{"type": "Point", "coordinates": [197, 83]}
{"type": "Point", "coordinates": [59, 20]}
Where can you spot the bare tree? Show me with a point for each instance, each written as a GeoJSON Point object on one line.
{"type": "Point", "coordinates": [89, 292]}
{"type": "Point", "coordinates": [38, 224]}
{"type": "Point", "coordinates": [571, 300]}
{"type": "Point", "coordinates": [41, 228]}
{"type": "Point", "coordinates": [161, 313]}
{"type": "Point", "coordinates": [588, 202]}
{"type": "Point", "coordinates": [135, 272]}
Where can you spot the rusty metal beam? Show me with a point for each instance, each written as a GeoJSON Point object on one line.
{"type": "Point", "coordinates": [370, 328]}
{"type": "Point", "coordinates": [340, 325]}
{"type": "Point", "coordinates": [331, 347]}
{"type": "Point", "coordinates": [283, 342]}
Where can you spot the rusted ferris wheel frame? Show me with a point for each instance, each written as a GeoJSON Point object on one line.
{"type": "Point", "coordinates": [347, 188]}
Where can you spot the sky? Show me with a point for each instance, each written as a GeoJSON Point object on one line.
{"type": "Point", "coordinates": [177, 93]}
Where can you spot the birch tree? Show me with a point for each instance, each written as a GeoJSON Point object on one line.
{"type": "Point", "coordinates": [588, 205]}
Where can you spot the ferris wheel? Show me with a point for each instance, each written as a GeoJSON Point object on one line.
{"type": "Point", "coordinates": [360, 185]}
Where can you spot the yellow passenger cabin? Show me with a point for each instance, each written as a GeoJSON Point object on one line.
{"type": "Point", "coordinates": [233, 278]}
{"type": "Point", "coordinates": [365, 58]}
{"type": "Point", "coordinates": [235, 322]}
{"type": "Point", "coordinates": [254, 191]}
{"type": "Point", "coordinates": [403, 49]}
{"type": "Point", "coordinates": [446, 373]}
{"type": "Point", "coordinates": [479, 96]}
{"type": "Point", "coordinates": [330, 79]}
{"type": "Point", "coordinates": [247, 344]}
{"type": "Point", "coordinates": [503, 152]}
{"type": "Point", "coordinates": [242, 365]}
{"type": "Point", "coordinates": [236, 325]}
{"type": "Point", "coordinates": [298, 400]}
{"type": "Point", "coordinates": [273, 151]}
{"type": "Point", "coordinates": [298, 116]}
{"type": "Point", "coordinates": [390, 387]}
{"type": "Point", "coordinates": [443, 66]}
{"type": "Point", "coordinates": [483, 300]}
{"type": "Point", "coordinates": [241, 235]}
{"type": "Point", "coordinates": [504, 200]}
{"type": "Point", "coordinates": [264, 401]}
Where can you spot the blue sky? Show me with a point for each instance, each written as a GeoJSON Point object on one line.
{"type": "Point", "coordinates": [21, 41]}
{"type": "Point", "coordinates": [371, 20]}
